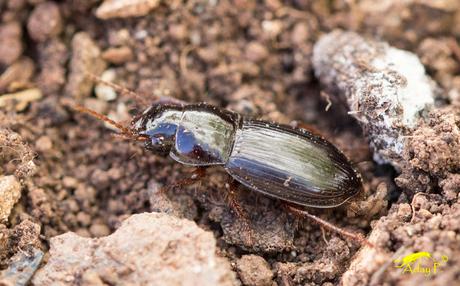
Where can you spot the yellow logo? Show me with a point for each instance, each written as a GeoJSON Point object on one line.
{"type": "Point", "coordinates": [419, 262]}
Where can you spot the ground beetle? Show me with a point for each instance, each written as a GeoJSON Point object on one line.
{"type": "Point", "coordinates": [287, 163]}
{"type": "Point", "coordinates": [290, 164]}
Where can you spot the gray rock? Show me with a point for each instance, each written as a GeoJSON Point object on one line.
{"type": "Point", "coordinates": [22, 266]}
{"type": "Point", "coordinates": [386, 88]}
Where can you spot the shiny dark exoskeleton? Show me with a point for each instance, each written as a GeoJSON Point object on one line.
{"type": "Point", "coordinates": [287, 163]}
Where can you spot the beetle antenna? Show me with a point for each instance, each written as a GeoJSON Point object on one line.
{"type": "Point", "coordinates": [125, 131]}
{"type": "Point", "coordinates": [121, 89]}
{"type": "Point", "coordinates": [358, 237]}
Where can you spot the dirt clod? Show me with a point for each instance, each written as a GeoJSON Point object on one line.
{"type": "Point", "coordinates": [253, 270]}
{"type": "Point", "coordinates": [17, 157]}
{"type": "Point", "coordinates": [263, 229]}
{"type": "Point", "coordinates": [23, 237]}
{"type": "Point", "coordinates": [86, 58]}
{"type": "Point", "coordinates": [53, 55]}
{"type": "Point", "coordinates": [147, 247]}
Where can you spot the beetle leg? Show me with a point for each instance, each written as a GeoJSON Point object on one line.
{"type": "Point", "coordinates": [198, 174]}
{"type": "Point", "coordinates": [348, 234]}
{"type": "Point", "coordinates": [232, 198]}
{"type": "Point", "coordinates": [233, 201]}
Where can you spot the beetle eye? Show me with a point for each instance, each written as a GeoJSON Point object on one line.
{"type": "Point", "coordinates": [158, 140]}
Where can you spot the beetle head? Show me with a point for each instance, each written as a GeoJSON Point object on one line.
{"type": "Point", "coordinates": [158, 124]}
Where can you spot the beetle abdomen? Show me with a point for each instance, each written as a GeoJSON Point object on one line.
{"type": "Point", "coordinates": [292, 165]}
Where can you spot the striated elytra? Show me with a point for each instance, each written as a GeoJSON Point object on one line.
{"type": "Point", "coordinates": [287, 163]}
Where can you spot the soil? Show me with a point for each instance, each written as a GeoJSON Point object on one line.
{"type": "Point", "coordinates": [247, 56]}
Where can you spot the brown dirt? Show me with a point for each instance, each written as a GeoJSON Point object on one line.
{"type": "Point", "coordinates": [252, 58]}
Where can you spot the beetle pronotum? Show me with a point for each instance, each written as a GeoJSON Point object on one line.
{"type": "Point", "coordinates": [290, 164]}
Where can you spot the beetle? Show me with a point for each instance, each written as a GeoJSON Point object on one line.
{"type": "Point", "coordinates": [291, 164]}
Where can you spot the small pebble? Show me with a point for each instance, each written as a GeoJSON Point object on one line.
{"type": "Point", "coordinates": [100, 179]}
{"type": "Point", "coordinates": [15, 5]}
{"type": "Point", "coordinates": [53, 56]}
{"type": "Point", "coordinates": [10, 42]}
{"type": "Point", "coordinates": [125, 8]}
{"type": "Point", "coordinates": [70, 182]}
{"type": "Point", "coordinates": [45, 22]}
{"type": "Point", "coordinates": [83, 218]}
{"type": "Point", "coordinates": [404, 211]}
{"type": "Point", "coordinates": [86, 58]}
{"type": "Point", "coordinates": [420, 201]}
{"type": "Point", "coordinates": [300, 33]}
{"type": "Point", "coordinates": [85, 193]}
{"type": "Point", "coordinates": [18, 73]}
{"type": "Point", "coordinates": [83, 232]}
{"type": "Point", "coordinates": [256, 52]}
{"type": "Point", "coordinates": [424, 214]}
{"type": "Point", "coordinates": [40, 203]}
{"type": "Point", "coordinates": [178, 32]}
{"type": "Point", "coordinates": [105, 92]}
{"type": "Point", "coordinates": [272, 28]}
{"type": "Point", "coordinates": [119, 37]}
{"type": "Point", "coordinates": [118, 55]}
{"type": "Point", "coordinates": [43, 144]}
{"type": "Point", "coordinates": [21, 98]}
{"type": "Point", "coordinates": [72, 205]}
{"type": "Point", "coordinates": [99, 230]}
{"type": "Point", "coordinates": [254, 270]}
{"type": "Point", "coordinates": [115, 173]}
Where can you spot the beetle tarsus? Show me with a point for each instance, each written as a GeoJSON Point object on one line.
{"type": "Point", "coordinates": [354, 236]}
